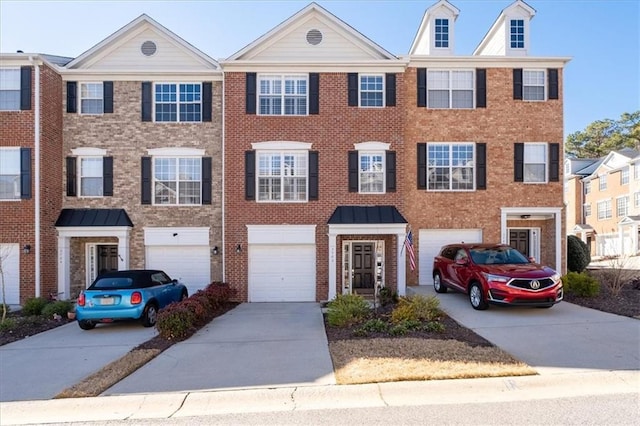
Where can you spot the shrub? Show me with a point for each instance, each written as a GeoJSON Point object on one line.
{"type": "Point", "coordinates": [8, 324]}
{"type": "Point", "coordinates": [581, 284]}
{"type": "Point", "coordinates": [416, 308]}
{"type": "Point", "coordinates": [434, 327]}
{"type": "Point", "coordinates": [34, 306]}
{"type": "Point", "coordinates": [218, 294]}
{"type": "Point", "coordinates": [347, 309]}
{"type": "Point", "coordinates": [375, 325]}
{"type": "Point", "coordinates": [60, 307]}
{"type": "Point", "coordinates": [387, 297]}
{"type": "Point", "coordinates": [199, 307]}
{"type": "Point", "coordinates": [403, 327]}
{"type": "Point", "coordinates": [176, 322]}
{"type": "Point", "coordinates": [578, 254]}
{"type": "Point", "coordinates": [617, 277]}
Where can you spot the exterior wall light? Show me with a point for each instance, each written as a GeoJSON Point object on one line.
{"type": "Point", "coordinates": [214, 250]}
{"type": "Point", "coordinates": [239, 248]}
{"type": "Point", "coordinates": [26, 249]}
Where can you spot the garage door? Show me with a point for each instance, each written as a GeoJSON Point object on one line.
{"type": "Point", "coordinates": [10, 258]}
{"type": "Point", "coordinates": [282, 273]}
{"type": "Point", "coordinates": [431, 240]}
{"type": "Point", "coordinates": [190, 265]}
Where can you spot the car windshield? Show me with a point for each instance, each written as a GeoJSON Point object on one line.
{"type": "Point", "coordinates": [112, 283]}
{"type": "Point", "coordinates": [497, 256]}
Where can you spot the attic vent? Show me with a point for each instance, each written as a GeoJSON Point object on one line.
{"type": "Point", "coordinates": [148, 48]}
{"type": "Point", "coordinates": [314, 37]}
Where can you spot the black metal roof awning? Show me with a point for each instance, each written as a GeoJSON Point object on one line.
{"type": "Point", "coordinates": [93, 217]}
{"type": "Point", "coordinates": [365, 215]}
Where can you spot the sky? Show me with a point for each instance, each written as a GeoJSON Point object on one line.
{"type": "Point", "coordinates": [601, 37]}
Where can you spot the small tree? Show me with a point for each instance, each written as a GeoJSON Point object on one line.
{"type": "Point", "coordinates": [578, 254]}
{"type": "Point", "coordinates": [617, 275]}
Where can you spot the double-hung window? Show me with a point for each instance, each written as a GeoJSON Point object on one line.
{"type": "Point", "coordinates": [533, 82]}
{"type": "Point", "coordinates": [636, 199]}
{"type": "Point", "coordinates": [178, 102]}
{"type": "Point", "coordinates": [442, 32]}
{"type": "Point", "coordinates": [622, 206]}
{"type": "Point", "coordinates": [91, 98]}
{"type": "Point", "coordinates": [587, 187]}
{"type": "Point", "coordinates": [9, 173]}
{"type": "Point", "coordinates": [602, 182]}
{"type": "Point", "coordinates": [516, 31]}
{"type": "Point", "coordinates": [450, 167]}
{"type": "Point", "coordinates": [450, 89]}
{"type": "Point", "coordinates": [535, 162]}
{"type": "Point", "coordinates": [91, 177]}
{"type": "Point", "coordinates": [177, 180]}
{"type": "Point", "coordinates": [282, 175]}
{"type": "Point", "coordinates": [587, 209]}
{"type": "Point", "coordinates": [604, 209]}
{"type": "Point", "coordinates": [283, 94]}
{"type": "Point", "coordinates": [624, 176]}
{"type": "Point", "coordinates": [636, 171]}
{"type": "Point", "coordinates": [9, 89]}
{"type": "Point", "coordinates": [371, 90]}
{"type": "Point", "coordinates": [372, 172]}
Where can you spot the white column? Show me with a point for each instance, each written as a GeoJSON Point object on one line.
{"type": "Point", "coordinates": [64, 268]}
{"type": "Point", "coordinates": [621, 240]}
{"type": "Point", "coordinates": [401, 265]}
{"type": "Point", "coordinates": [634, 238]}
{"type": "Point", "coordinates": [332, 266]}
{"type": "Point", "coordinates": [559, 240]}
{"type": "Point", "coordinates": [123, 252]}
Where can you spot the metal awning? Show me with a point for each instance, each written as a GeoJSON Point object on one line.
{"type": "Point", "coordinates": [93, 217]}
{"type": "Point", "coordinates": [344, 215]}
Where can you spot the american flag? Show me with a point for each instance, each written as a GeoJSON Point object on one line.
{"type": "Point", "coordinates": [408, 243]}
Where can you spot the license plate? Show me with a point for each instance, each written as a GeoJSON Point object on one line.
{"type": "Point", "coordinates": [107, 301]}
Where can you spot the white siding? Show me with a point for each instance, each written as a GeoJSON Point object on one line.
{"type": "Point", "coordinates": [10, 258]}
{"type": "Point", "coordinates": [431, 240]}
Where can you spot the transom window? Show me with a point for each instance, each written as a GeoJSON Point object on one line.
{"type": "Point", "coordinates": [533, 85]}
{"type": "Point", "coordinates": [9, 173]}
{"type": "Point", "coordinates": [602, 182]}
{"type": "Point", "coordinates": [9, 89]}
{"type": "Point", "coordinates": [450, 89]}
{"type": "Point", "coordinates": [622, 206]}
{"type": "Point", "coordinates": [177, 181]}
{"type": "Point", "coordinates": [587, 210]}
{"type": "Point", "coordinates": [624, 176]}
{"type": "Point", "coordinates": [91, 98]}
{"type": "Point", "coordinates": [535, 162]}
{"type": "Point", "coordinates": [282, 176]}
{"type": "Point", "coordinates": [282, 94]}
{"type": "Point", "coordinates": [450, 167]}
{"type": "Point", "coordinates": [372, 171]}
{"type": "Point", "coordinates": [604, 210]}
{"type": "Point", "coordinates": [442, 32]}
{"type": "Point", "coordinates": [371, 91]}
{"type": "Point", "coordinates": [178, 102]}
{"type": "Point", "coordinates": [91, 177]}
{"type": "Point", "coordinates": [517, 33]}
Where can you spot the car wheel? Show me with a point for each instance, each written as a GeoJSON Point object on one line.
{"type": "Point", "coordinates": [150, 315]}
{"type": "Point", "coordinates": [86, 324]}
{"type": "Point", "coordinates": [477, 298]}
{"type": "Point", "coordinates": [184, 295]}
{"type": "Point", "coordinates": [438, 285]}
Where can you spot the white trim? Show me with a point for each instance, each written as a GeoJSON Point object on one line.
{"type": "Point", "coordinates": [371, 146]}
{"type": "Point", "coordinates": [383, 90]}
{"type": "Point", "coordinates": [89, 152]}
{"type": "Point", "coordinates": [281, 146]}
{"type": "Point", "coordinates": [176, 236]}
{"type": "Point", "coordinates": [176, 152]}
{"type": "Point", "coordinates": [280, 67]}
{"type": "Point", "coordinates": [281, 234]}
{"type": "Point", "coordinates": [425, 61]}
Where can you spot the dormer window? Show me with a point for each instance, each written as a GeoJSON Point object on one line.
{"type": "Point", "coordinates": [442, 33]}
{"type": "Point", "coordinates": [517, 33]}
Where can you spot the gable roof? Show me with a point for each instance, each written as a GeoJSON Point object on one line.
{"type": "Point", "coordinates": [517, 5]}
{"type": "Point", "coordinates": [422, 36]}
{"type": "Point", "coordinates": [615, 160]}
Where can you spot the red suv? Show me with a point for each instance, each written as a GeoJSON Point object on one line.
{"type": "Point", "coordinates": [495, 273]}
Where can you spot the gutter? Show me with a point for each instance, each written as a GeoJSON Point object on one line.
{"type": "Point", "coordinates": [224, 252]}
{"type": "Point", "coordinates": [36, 142]}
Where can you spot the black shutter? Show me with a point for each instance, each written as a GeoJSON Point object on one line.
{"type": "Point", "coordinates": [71, 177]}
{"type": "Point", "coordinates": [554, 162]}
{"type": "Point", "coordinates": [313, 175]}
{"type": "Point", "coordinates": [390, 84]}
{"type": "Point", "coordinates": [107, 88]}
{"type": "Point", "coordinates": [145, 180]}
{"type": "Point", "coordinates": [314, 93]}
{"type": "Point", "coordinates": [353, 171]}
{"type": "Point", "coordinates": [250, 101]}
{"type": "Point", "coordinates": [422, 87]}
{"type": "Point", "coordinates": [517, 83]}
{"type": "Point", "coordinates": [552, 75]}
{"type": "Point", "coordinates": [518, 162]}
{"type": "Point", "coordinates": [107, 176]}
{"type": "Point", "coordinates": [391, 171]}
{"type": "Point", "coordinates": [147, 104]}
{"type": "Point", "coordinates": [25, 173]}
{"type": "Point", "coordinates": [352, 83]}
{"type": "Point", "coordinates": [25, 88]}
{"type": "Point", "coordinates": [481, 88]}
{"type": "Point", "coordinates": [207, 98]}
{"type": "Point", "coordinates": [249, 175]}
{"type": "Point", "coordinates": [72, 97]}
{"type": "Point", "coordinates": [481, 166]}
{"type": "Point", "coordinates": [422, 166]}
{"type": "Point", "coordinates": [206, 180]}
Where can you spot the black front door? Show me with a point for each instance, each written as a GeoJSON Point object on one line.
{"type": "Point", "coordinates": [363, 265]}
{"type": "Point", "coordinates": [519, 240]}
{"type": "Point", "coordinates": [107, 258]}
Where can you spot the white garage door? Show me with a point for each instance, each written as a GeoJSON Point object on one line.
{"type": "Point", "coordinates": [10, 258]}
{"type": "Point", "coordinates": [431, 240]}
{"type": "Point", "coordinates": [282, 273]}
{"type": "Point", "coordinates": [190, 265]}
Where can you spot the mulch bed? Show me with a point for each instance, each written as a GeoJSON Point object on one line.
{"type": "Point", "coordinates": [28, 326]}
{"type": "Point", "coordinates": [627, 303]}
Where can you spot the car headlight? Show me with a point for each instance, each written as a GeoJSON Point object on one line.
{"type": "Point", "coordinates": [496, 278]}
{"type": "Point", "coordinates": [555, 277]}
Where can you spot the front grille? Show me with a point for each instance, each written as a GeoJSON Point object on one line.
{"type": "Point", "coordinates": [525, 284]}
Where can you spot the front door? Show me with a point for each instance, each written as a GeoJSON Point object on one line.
{"type": "Point", "coordinates": [107, 258]}
{"type": "Point", "coordinates": [519, 240]}
{"type": "Point", "coordinates": [363, 265]}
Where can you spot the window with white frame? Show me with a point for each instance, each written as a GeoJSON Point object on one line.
{"type": "Point", "coordinates": [636, 199]}
{"type": "Point", "coordinates": [587, 209]}
{"type": "Point", "coordinates": [535, 162]}
{"type": "Point", "coordinates": [91, 98]}
{"type": "Point", "coordinates": [604, 209]}
{"type": "Point", "coordinates": [587, 186]}
{"type": "Point", "coordinates": [442, 32]}
{"type": "Point", "coordinates": [9, 173]}
{"type": "Point", "coordinates": [282, 94]}
{"type": "Point", "coordinates": [450, 167]}
{"type": "Point", "coordinates": [372, 171]}
{"type": "Point", "coordinates": [178, 102]}
{"type": "Point", "coordinates": [9, 89]}
{"type": "Point", "coordinates": [602, 182]}
{"type": "Point", "coordinates": [282, 176]}
{"type": "Point", "coordinates": [636, 171]}
{"type": "Point", "coordinates": [177, 180]}
{"type": "Point", "coordinates": [91, 176]}
{"type": "Point", "coordinates": [624, 176]}
{"type": "Point", "coordinates": [450, 89]}
{"type": "Point", "coordinates": [516, 30]}
{"type": "Point", "coordinates": [533, 85]}
{"type": "Point", "coordinates": [622, 206]}
{"type": "Point", "coordinates": [371, 90]}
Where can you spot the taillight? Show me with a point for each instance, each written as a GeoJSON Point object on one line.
{"type": "Point", "coordinates": [81, 299]}
{"type": "Point", "coordinates": [136, 298]}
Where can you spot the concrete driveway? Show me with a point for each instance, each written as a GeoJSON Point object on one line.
{"type": "Point", "coordinates": [253, 345]}
{"type": "Point", "coordinates": [565, 338]}
{"type": "Point", "coordinates": [41, 366]}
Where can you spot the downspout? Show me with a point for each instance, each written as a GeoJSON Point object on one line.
{"type": "Point", "coordinates": [36, 131]}
{"type": "Point", "coordinates": [224, 252]}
